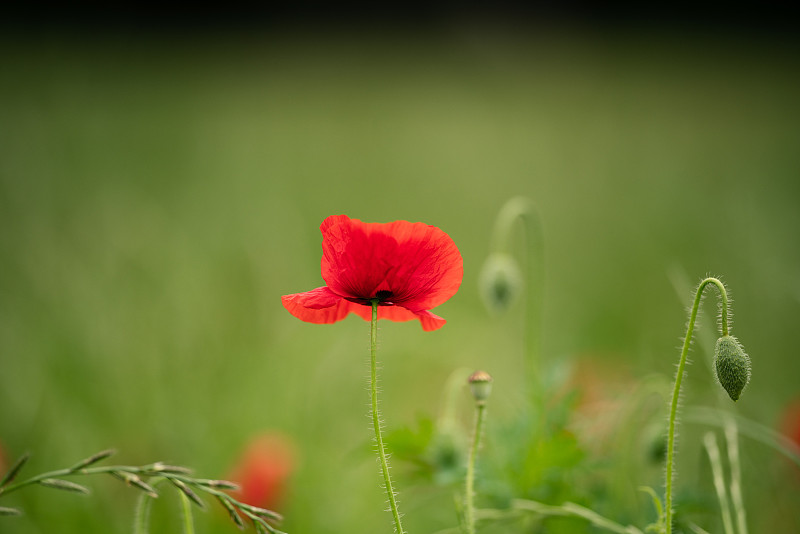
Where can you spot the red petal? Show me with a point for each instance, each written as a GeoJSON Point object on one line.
{"type": "Point", "coordinates": [430, 321]}
{"type": "Point", "coordinates": [320, 306]}
{"type": "Point", "coordinates": [419, 264]}
{"type": "Point", "coordinates": [263, 470]}
{"type": "Point", "coordinates": [323, 306]}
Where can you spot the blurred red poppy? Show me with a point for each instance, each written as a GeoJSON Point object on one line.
{"type": "Point", "coordinates": [790, 422]}
{"type": "Point", "coordinates": [263, 471]}
{"type": "Point", "coordinates": [409, 267]}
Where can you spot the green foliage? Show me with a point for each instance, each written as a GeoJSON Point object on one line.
{"type": "Point", "coordinates": [437, 454]}
{"type": "Point", "coordinates": [158, 193]}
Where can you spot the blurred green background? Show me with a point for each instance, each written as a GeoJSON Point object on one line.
{"type": "Point", "coordinates": [160, 192]}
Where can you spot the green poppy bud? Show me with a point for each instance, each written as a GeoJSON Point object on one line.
{"type": "Point", "coordinates": [480, 382]}
{"type": "Point", "coordinates": [500, 282]}
{"type": "Point", "coordinates": [732, 366]}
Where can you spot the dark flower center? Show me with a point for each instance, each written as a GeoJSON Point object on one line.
{"type": "Point", "coordinates": [383, 295]}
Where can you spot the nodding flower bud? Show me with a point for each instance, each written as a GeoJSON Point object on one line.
{"type": "Point", "coordinates": [500, 282]}
{"type": "Point", "coordinates": [480, 382]}
{"type": "Point", "coordinates": [732, 366]}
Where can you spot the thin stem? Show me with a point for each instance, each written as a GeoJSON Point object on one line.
{"type": "Point", "coordinates": [53, 474]}
{"type": "Point", "coordinates": [376, 422]}
{"type": "Point", "coordinates": [480, 417]}
{"type": "Point", "coordinates": [732, 438]}
{"type": "Point", "coordinates": [186, 508]}
{"type": "Point", "coordinates": [710, 442]}
{"type": "Point", "coordinates": [673, 412]}
{"type": "Point", "coordinates": [141, 515]}
{"type": "Point", "coordinates": [148, 470]}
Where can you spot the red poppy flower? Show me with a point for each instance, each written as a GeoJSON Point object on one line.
{"type": "Point", "coordinates": [263, 470]}
{"type": "Point", "coordinates": [409, 267]}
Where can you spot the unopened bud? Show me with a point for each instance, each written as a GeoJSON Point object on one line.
{"type": "Point", "coordinates": [500, 282]}
{"type": "Point", "coordinates": [480, 382]}
{"type": "Point", "coordinates": [732, 366]}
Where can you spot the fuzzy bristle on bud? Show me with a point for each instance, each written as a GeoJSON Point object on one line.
{"type": "Point", "coordinates": [480, 382]}
{"type": "Point", "coordinates": [500, 282]}
{"type": "Point", "coordinates": [732, 366]}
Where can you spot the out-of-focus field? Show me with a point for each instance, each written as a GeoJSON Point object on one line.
{"type": "Point", "coordinates": [158, 194]}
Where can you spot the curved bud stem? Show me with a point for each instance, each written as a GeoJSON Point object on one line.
{"type": "Point", "coordinates": [522, 209]}
{"type": "Point", "coordinates": [517, 208]}
{"type": "Point", "coordinates": [673, 412]}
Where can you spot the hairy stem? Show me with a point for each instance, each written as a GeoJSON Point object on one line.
{"type": "Point", "coordinates": [673, 411]}
{"type": "Point", "coordinates": [376, 422]}
{"type": "Point", "coordinates": [480, 417]}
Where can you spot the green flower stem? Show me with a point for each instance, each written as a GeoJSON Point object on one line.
{"type": "Point", "coordinates": [673, 412]}
{"type": "Point", "coordinates": [522, 209]}
{"type": "Point", "coordinates": [480, 417]}
{"type": "Point", "coordinates": [376, 422]}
